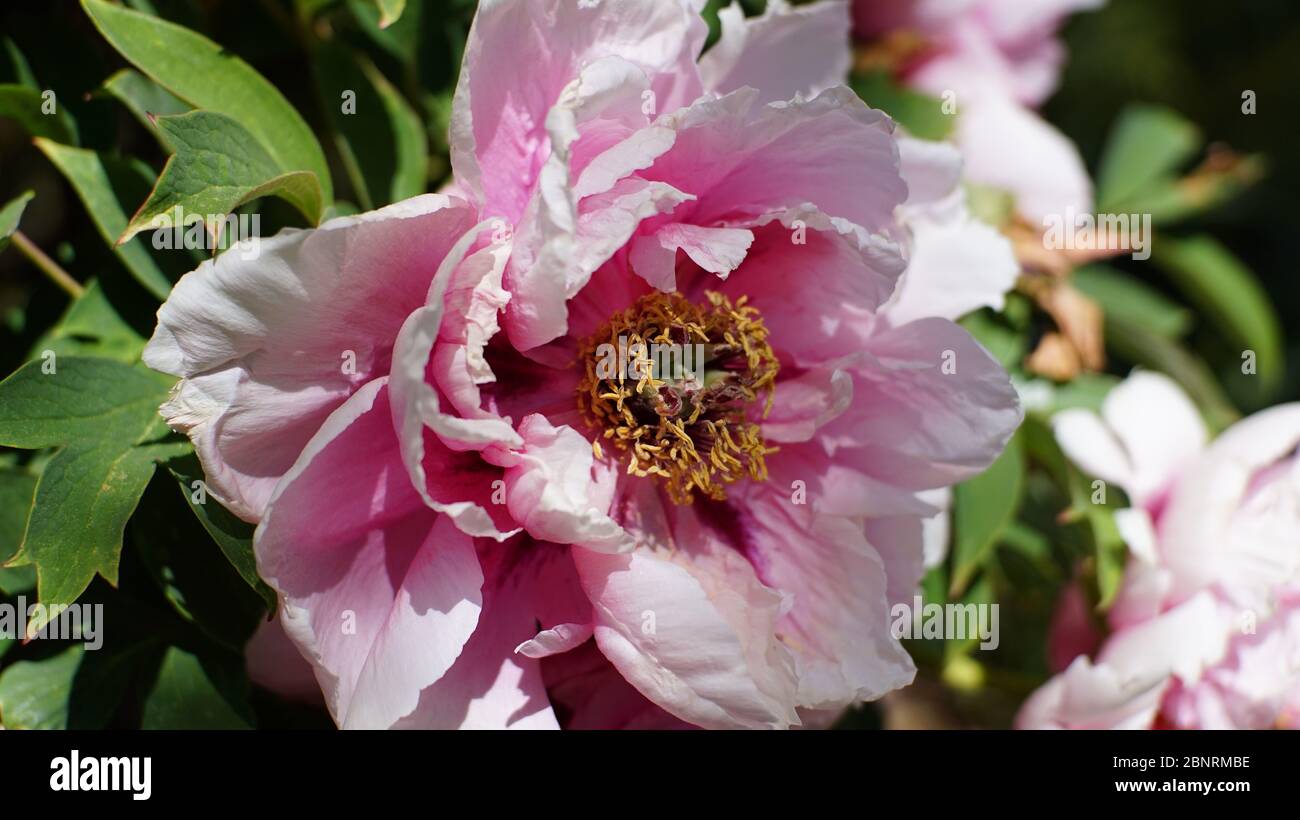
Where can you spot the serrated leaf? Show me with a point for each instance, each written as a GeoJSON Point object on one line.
{"type": "Point", "coordinates": [982, 507]}
{"type": "Point", "coordinates": [144, 97]}
{"type": "Point", "coordinates": [1230, 295]}
{"type": "Point", "coordinates": [1120, 294]}
{"type": "Point", "coordinates": [89, 174]}
{"type": "Point", "coordinates": [382, 141]}
{"type": "Point", "coordinates": [1148, 143]}
{"type": "Point", "coordinates": [187, 64]}
{"type": "Point", "coordinates": [10, 215]}
{"type": "Point", "coordinates": [101, 411]}
{"type": "Point", "coordinates": [25, 105]}
{"type": "Point", "coordinates": [82, 400]}
{"type": "Point", "coordinates": [217, 166]}
{"type": "Point", "coordinates": [185, 698]}
{"type": "Point", "coordinates": [34, 694]}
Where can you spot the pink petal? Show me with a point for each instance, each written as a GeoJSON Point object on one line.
{"type": "Point", "coordinates": [784, 52]}
{"type": "Point", "coordinates": [957, 263]}
{"type": "Point", "coordinates": [274, 663]}
{"type": "Point", "coordinates": [520, 57]}
{"type": "Point", "coordinates": [378, 592]}
{"type": "Point", "coordinates": [839, 625]}
{"type": "Point", "coordinates": [716, 250]}
{"type": "Point", "coordinates": [266, 345]}
{"type": "Point", "coordinates": [816, 281]}
{"type": "Point", "coordinates": [590, 694]}
{"type": "Point", "coordinates": [740, 157]}
{"type": "Point", "coordinates": [491, 686]}
{"type": "Point", "coordinates": [931, 407]}
{"type": "Point", "coordinates": [806, 402]}
{"type": "Point", "coordinates": [686, 622]}
{"type": "Point", "coordinates": [554, 492]}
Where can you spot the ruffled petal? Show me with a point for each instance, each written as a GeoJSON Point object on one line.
{"type": "Point", "coordinates": [785, 52]}
{"type": "Point", "coordinates": [269, 346]}
{"type": "Point", "coordinates": [377, 591]}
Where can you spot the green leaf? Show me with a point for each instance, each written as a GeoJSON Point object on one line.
{"type": "Point", "coordinates": [1005, 344]}
{"type": "Point", "coordinates": [34, 694]}
{"type": "Point", "coordinates": [105, 412]}
{"type": "Point", "coordinates": [25, 105]}
{"type": "Point", "coordinates": [10, 215]}
{"type": "Point", "coordinates": [22, 71]}
{"type": "Point", "coordinates": [1085, 390]}
{"type": "Point", "coordinates": [920, 114]}
{"type": "Point", "coordinates": [404, 38]}
{"type": "Point", "coordinates": [16, 489]}
{"type": "Point", "coordinates": [1148, 143]}
{"type": "Point", "coordinates": [982, 508]}
{"type": "Point", "coordinates": [1095, 522]}
{"type": "Point", "coordinates": [91, 175]}
{"type": "Point", "coordinates": [185, 698]}
{"type": "Point", "coordinates": [82, 400]}
{"type": "Point", "coordinates": [1230, 295]}
{"type": "Point", "coordinates": [92, 326]}
{"type": "Point", "coordinates": [389, 11]}
{"type": "Point", "coordinates": [194, 576]}
{"type": "Point", "coordinates": [144, 98]}
{"type": "Point", "coordinates": [1123, 295]}
{"type": "Point", "coordinates": [188, 64]}
{"type": "Point", "coordinates": [1172, 200]}
{"type": "Point", "coordinates": [217, 166]}
{"type": "Point", "coordinates": [233, 535]}
{"type": "Point", "coordinates": [382, 140]}
{"type": "Point", "coordinates": [1111, 553]}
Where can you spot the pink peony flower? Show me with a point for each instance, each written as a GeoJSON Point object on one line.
{"type": "Point", "coordinates": [471, 524]}
{"type": "Point", "coordinates": [1205, 632]}
{"type": "Point", "coordinates": [1000, 59]}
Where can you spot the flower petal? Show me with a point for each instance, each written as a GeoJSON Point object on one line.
{"type": "Point", "coordinates": [838, 627]}
{"type": "Point", "coordinates": [270, 346]}
{"type": "Point", "coordinates": [553, 492]}
{"type": "Point", "coordinates": [684, 619]}
{"type": "Point", "coordinates": [378, 592]}
{"type": "Point", "coordinates": [784, 52]}
{"type": "Point", "coordinates": [931, 407]}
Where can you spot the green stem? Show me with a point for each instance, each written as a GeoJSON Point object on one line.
{"type": "Point", "coordinates": [47, 265]}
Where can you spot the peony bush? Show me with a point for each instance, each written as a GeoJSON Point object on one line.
{"type": "Point", "coordinates": [630, 364]}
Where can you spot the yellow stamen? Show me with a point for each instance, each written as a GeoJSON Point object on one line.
{"type": "Point", "coordinates": [698, 435]}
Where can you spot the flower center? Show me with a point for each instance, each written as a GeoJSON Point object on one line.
{"type": "Point", "coordinates": [675, 386]}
